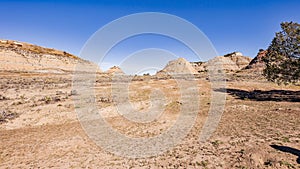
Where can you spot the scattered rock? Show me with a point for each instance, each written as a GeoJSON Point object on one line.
{"type": "Point", "coordinates": [3, 97]}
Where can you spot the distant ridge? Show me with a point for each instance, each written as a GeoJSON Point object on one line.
{"type": "Point", "coordinates": [34, 48]}
{"type": "Point", "coordinates": [25, 57]}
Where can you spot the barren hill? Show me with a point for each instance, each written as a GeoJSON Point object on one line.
{"type": "Point", "coordinates": [24, 57]}
{"type": "Point", "coordinates": [178, 66]}
{"type": "Point", "coordinates": [231, 62]}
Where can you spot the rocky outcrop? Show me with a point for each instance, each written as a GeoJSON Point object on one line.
{"type": "Point", "coordinates": [231, 62]}
{"type": "Point", "coordinates": [199, 66]}
{"type": "Point", "coordinates": [257, 62]}
{"type": "Point", "coordinates": [24, 57]}
{"type": "Point", "coordinates": [233, 54]}
{"type": "Point", "coordinates": [115, 70]}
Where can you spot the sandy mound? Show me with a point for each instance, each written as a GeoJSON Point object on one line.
{"type": "Point", "coordinates": [179, 66]}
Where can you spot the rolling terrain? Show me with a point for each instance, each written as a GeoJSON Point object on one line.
{"type": "Point", "coordinates": [39, 127]}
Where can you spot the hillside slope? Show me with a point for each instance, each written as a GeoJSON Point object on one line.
{"type": "Point", "coordinates": [24, 57]}
{"type": "Point", "coordinates": [257, 62]}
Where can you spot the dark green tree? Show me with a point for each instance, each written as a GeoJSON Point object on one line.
{"type": "Point", "coordinates": [282, 58]}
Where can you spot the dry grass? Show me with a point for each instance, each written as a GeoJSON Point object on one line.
{"type": "Point", "coordinates": [36, 49]}
{"type": "Point", "coordinates": [48, 134]}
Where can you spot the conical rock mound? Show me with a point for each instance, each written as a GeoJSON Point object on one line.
{"type": "Point", "coordinates": [179, 66]}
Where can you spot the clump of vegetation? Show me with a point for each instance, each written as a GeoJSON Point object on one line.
{"type": "Point", "coordinates": [269, 162]}
{"type": "Point", "coordinates": [282, 58]}
{"type": "Point", "coordinates": [7, 115]}
{"type": "Point", "coordinates": [47, 99]}
{"type": "Point", "coordinates": [203, 163]}
{"type": "Point", "coordinates": [285, 139]}
{"type": "Point", "coordinates": [216, 143]}
{"type": "Point", "coordinates": [285, 163]}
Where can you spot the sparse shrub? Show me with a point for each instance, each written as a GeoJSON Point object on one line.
{"type": "Point", "coordinates": [47, 99]}
{"type": "Point", "coordinates": [7, 115]}
{"type": "Point", "coordinates": [285, 163]}
{"type": "Point", "coordinates": [22, 97]}
{"type": "Point", "coordinates": [285, 139]}
{"type": "Point", "coordinates": [202, 163]}
{"type": "Point", "coordinates": [270, 162]}
{"type": "Point", "coordinates": [216, 143]}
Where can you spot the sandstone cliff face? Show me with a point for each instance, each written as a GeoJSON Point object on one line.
{"type": "Point", "coordinates": [24, 57]}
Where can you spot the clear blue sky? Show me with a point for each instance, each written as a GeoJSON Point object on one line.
{"type": "Point", "coordinates": [231, 25]}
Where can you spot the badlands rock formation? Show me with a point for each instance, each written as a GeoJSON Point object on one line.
{"type": "Point", "coordinates": [178, 66]}
{"type": "Point", "coordinates": [231, 62]}
{"type": "Point", "coordinates": [115, 70]}
{"type": "Point", "coordinates": [257, 63]}
{"type": "Point", "coordinates": [24, 57]}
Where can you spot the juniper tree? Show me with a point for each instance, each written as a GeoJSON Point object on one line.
{"type": "Point", "coordinates": [282, 58]}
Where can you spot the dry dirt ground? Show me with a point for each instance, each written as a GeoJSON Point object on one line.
{"type": "Point", "coordinates": [260, 127]}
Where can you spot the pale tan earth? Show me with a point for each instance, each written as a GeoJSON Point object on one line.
{"type": "Point", "coordinates": [40, 129]}
{"type": "Point", "coordinates": [231, 62]}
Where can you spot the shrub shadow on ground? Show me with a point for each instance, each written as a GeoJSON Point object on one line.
{"type": "Point", "coordinates": [290, 150]}
{"type": "Point", "coordinates": [259, 95]}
